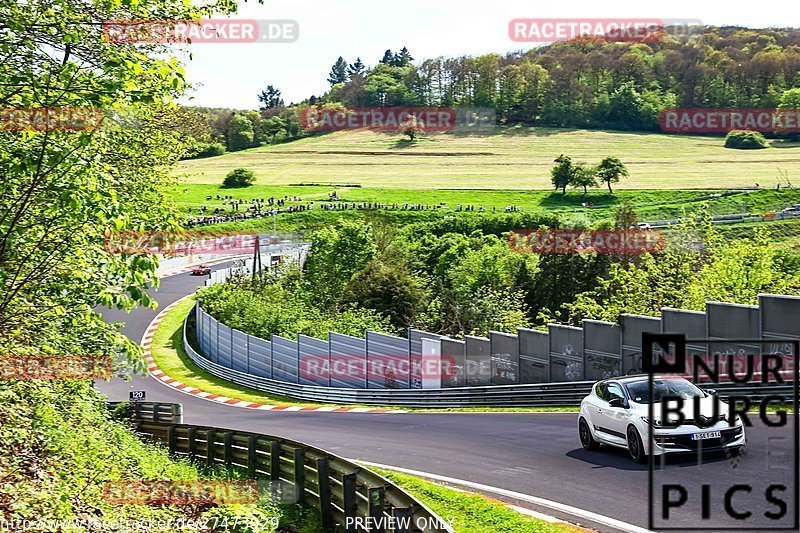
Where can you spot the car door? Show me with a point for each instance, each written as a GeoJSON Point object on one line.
{"type": "Point", "coordinates": [612, 421]}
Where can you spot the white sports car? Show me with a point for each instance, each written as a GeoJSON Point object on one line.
{"type": "Point", "coordinates": [616, 413]}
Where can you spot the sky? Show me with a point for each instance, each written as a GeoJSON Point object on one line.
{"type": "Point", "coordinates": [231, 75]}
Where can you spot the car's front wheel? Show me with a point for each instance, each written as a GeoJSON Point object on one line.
{"type": "Point", "coordinates": [587, 440]}
{"type": "Point", "coordinates": [635, 446]}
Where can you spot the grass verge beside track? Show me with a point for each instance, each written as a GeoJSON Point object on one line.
{"type": "Point", "coordinates": [171, 357]}
{"type": "Point", "coordinates": [473, 513]}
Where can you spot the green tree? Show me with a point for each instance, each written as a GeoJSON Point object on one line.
{"type": "Point", "coordinates": [239, 177]}
{"type": "Point", "coordinates": [273, 126]}
{"type": "Point", "coordinates": [625, 216]}
{"type": "Point", "coordinates": [583, 176]}
{"type": "Point", "coordinates": [388, 58]}
{"type": "Point", "coordinates": [240, 133]}
{"type": "Point", "coordinates": [337, 254]}
{"type": "Point", "coordinates": [402, 58]}
{"type": "Point", "coordinates": [562, 173]}
{"type": "Point", "coordinates": [338, 73]}
{"type": "Point", "coordinates": [790, 99]}
{"type": "Point", "coordinates": [356, 69]}
{"type": "Point", "coordinates": [610, 170]}
{"type": "Point", "coordinates": [389, 289]}
{"type": "Point", "coordinates": [412, 127]}
{"type": "Point", "coordinates": [270, 98]}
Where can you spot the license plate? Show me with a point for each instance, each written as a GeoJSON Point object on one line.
{"type": "Point", "coordinates": [707, 435]}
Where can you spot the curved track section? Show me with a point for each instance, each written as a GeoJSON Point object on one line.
{"type": "Point", "coordinates": [533, 454]}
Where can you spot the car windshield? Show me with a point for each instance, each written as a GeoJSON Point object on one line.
{"type": "Point", "coordinates": [639, 393]}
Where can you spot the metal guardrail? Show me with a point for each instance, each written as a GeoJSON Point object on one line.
{"type": "Point", "coordinates": [348, 496]}
{"type": "Point", "coordinates": [170, 413]}
{"type": "Point", "coordinates": [530, 395]}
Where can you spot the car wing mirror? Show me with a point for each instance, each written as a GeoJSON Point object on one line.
{"type": "Point", "coordinates": [712, 392]}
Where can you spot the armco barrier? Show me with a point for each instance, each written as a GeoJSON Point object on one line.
{"type": "Point", "coordinates": [533, 395]}
{"type": "Point", "coordinates": [343, 492]}
{"type": "Point", "coordinates": [171, 413]}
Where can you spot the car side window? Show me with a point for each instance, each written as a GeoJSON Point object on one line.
{"type": "Point", "coordinates": [602, 390]}
{"type": "Point", "coordinates": [614, 390]}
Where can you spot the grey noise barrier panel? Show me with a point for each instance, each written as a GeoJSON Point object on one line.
{"type": "Point", "coordinates": [632, 328]}
{"type": "Point", "coordinates": [732, 321]}
{"type": "Point", "coordinates": [240, 351]}
{"type": "Point", "coordinates": [504, 358]}
{"type": "Point", "coordinates": [780, 320]}
{"type": "Point", "coordinates": [348, 361]}
{"type": "Point", "coordinates": [415, 337]}
{"type": "Point", "coordinates": [566, 353]}
{"type": "Point", "coordinates": [224, 345]}
{"type": "Point", "coordinates": [534, 355]}
{"type": "Point", "coordinates": [260, 357]}
{"type": "Point", "coordinates": [388, 361]}
{"type": "Point", "coordinates": [315, 360]}
{"type": "Point", "coordinates": [284, 359]}
{"type": "Point", "coordinates": [454, 363]}
{"type": "Point", "coordinates": [602, 349]}
{"type": "Point", "coordinates": [479, 361]}
{"type": "Point", "coordinates": [690, 323]}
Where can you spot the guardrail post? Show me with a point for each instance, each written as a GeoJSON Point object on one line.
{"type": "Point", "coordinates": [299, 475]}
{"type": "Point", "coordinates": [177, 413]}
{"type": "Point", "coordinates": [324, 482]}
{"type": "Point", "coordinates": [376, 510]}
{"type": "Point", "coordinates": [274, 461]}
{"type": "Point", "coordinates": [171, 438]}
{"type": "Point", "coordinates": [156, 415]}
{"type": "Point", "coordinates": [210, 436]}
{"type": "Point", "coordinates": [228, 448]}
{"type": "Point", "coordinates": [252, 456]}
{"type": "Point", "coordinates": [192, 442]}
{"type": "Point", "coordinates": [402, 516]}
{"type": "Point", "coordinates": [137, 411]}
{"type": "Point", "coordinates": [350, 504]}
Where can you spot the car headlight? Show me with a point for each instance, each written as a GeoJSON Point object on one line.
{"type": "Point", "coordinates": [656, 421]}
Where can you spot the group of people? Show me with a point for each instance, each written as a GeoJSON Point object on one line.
{"type": "Point", "coordinates": [265, 207]}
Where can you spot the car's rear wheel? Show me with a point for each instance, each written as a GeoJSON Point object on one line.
{"type": "Point", "coordinates": [587, 440]}
{"type": "Point", "coordinates": [635, 446]}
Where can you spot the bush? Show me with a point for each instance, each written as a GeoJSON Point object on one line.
{"type": "Point", "coordinates": [239, 177]}
{"type": "Point", "coordinates": [745, 140]}
{"type": "Point", "coordinates": [207, 150]}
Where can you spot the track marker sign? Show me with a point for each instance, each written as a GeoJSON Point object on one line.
{"type": "Point", "coordinates": [137, 395]}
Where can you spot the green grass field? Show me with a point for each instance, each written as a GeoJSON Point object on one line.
{"type": "Point", "coordinates": [509, 159]}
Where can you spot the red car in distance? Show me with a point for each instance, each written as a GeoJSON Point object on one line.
{"type": "Point", "coordinates": [201, 270]}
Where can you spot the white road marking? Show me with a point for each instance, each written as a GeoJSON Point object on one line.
{"type": "Point", "coordinates": [566, 509]}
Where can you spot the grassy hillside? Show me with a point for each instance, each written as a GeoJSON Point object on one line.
{"type": "Point", "coordinates": [511, 158]}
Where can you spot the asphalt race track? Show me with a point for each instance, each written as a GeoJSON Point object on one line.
{"type": "Point", "coordinates": [534, 454]}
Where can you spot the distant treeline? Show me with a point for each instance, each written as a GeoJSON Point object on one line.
{"type": "Point", "coordinates": [587, 83]}
{"type": "Point", "coordinates": [590, 83]}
